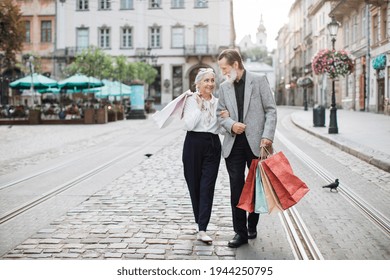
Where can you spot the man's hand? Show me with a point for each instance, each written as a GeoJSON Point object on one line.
{"type": "Point", "coordinates": [265, 148]}
{"type": "Point", "coordinates": [238, 128]}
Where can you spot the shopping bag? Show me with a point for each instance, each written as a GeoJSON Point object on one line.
{"type": "Point", "coordinates": [261, 206]}
{"type": "Point", "coordinates": [270, 195]}
{"type": "Point", "coordinates": [173, 109]}
{"type": "Point", "coordinates": [288, 187]}
{"type": "Point", "coordinates": [247, 197]}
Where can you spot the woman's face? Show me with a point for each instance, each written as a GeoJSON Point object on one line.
{"type": "Point", "coordinates": [207, 84]}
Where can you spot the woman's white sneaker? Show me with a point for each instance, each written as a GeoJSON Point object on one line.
{"type": "Point", "coordinates": [202, 236]}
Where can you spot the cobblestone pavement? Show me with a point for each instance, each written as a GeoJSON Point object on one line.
{"type": "Point", "coordinates": [150, 217]}
{"type": "Point", "coordinates": [136, 217]}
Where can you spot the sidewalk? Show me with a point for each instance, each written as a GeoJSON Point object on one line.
{"type": "Point", "coordinates": [364, 135]}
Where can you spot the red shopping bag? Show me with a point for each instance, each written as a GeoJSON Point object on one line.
{"type": "Point", "coordinates": [247, 198]}
{"type": "Point", "coordinates": [288, 187]}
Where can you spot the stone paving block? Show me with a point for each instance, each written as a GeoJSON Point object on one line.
{"type": "Point", "coordinates": [151, 251]}
{"type": "Point", "coordinates": [52, 251]}
{"type": "Point", "coordinates": [113, 255]}
{"type": "Point", "coordinates": [154, 257]}
{"type": "Point", "coordinates": [133, 256]}
{"type": "Point", "coordinates": [49, 241]}
{"type": "Point", "coordinates": [117, 246]}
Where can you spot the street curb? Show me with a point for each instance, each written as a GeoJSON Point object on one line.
{"type": "Point", "coordinates": [369, 158]}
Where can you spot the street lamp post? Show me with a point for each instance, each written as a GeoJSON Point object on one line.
{"type": "Point", "coordinates": [31, 65]}
{"type": "Point", "coordinates": [333, 27]}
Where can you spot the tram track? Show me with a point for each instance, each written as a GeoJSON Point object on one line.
{"type": "Point", "coordinates": [377, 218]}
{"type": "Point", "coordinates": [9, 215]}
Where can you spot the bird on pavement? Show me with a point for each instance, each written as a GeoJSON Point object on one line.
{"type": "Point", "coordinates": [333, 186]}
{"type": "Point", "coordinates": [148, 155]}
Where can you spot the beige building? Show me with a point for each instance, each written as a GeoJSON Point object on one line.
{"type": "Point", "coordinates": [364, 32]}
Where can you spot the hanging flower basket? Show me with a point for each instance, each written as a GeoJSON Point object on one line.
{"type": "Point", "coordinates": [333, 63]}
{"type": "Point", "coordinates": [379, 62]}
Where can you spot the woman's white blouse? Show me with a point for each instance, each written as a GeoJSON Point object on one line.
{"type": "Point", "coordinates": [201, 120]}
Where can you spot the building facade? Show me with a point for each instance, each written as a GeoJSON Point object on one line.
{"type": "Point", "coordinates": [364, 32]}
{"type": "Point", "coordinates": [176, 37]}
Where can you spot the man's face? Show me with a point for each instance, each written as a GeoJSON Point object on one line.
{"type": "Point", "coordinates": [229, 71]}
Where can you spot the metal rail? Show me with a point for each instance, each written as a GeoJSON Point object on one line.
{"type": "Point", "coordinates": [380, 220]}
{"type": "Point", "coordinates": [59, 189]}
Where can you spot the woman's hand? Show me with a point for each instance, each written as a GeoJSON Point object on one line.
{"type": "Point", "coordinates": [224, 114]}
{"type": "Point", "coordinates": [199, 100]}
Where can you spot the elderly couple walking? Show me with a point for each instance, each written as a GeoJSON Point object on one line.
{"type": "Point", "coordinates": [245, 113]}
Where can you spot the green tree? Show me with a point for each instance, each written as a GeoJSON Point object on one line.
{"type": "Point", "coordinates": [120, 69]}
{"type": "Point", "coordinates": [143, 72]}
{"type": "Point", "coordinates": [12, 30]}
{"type": "Point", "coordinates": [92, 62]}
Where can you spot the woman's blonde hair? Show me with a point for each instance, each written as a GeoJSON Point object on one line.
{"type": "Point", "coordinates": [200, 75]}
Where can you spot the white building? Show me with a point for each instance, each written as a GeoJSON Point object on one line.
{"type": "Point", "coordinates": [246, 42]}
{"type": "Point", "coordinates": [176, 37]}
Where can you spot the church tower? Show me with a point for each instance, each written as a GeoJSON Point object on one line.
{"type": "Point", "coordinates": [261, 35]}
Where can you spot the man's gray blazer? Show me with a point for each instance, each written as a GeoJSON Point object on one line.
{"type": "Point", "coordinates": [259, 112]}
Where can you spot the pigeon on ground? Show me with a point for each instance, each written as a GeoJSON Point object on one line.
{"type": "Point", "coordinates": [148, 155]}
{"type": "Point", "coordinates": [333, 186]}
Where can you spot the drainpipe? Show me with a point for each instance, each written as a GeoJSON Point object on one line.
{"type": "Point", "coordinates": [368, 58]}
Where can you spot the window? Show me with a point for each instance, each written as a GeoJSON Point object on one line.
{"type": "Point", "coordinates": [104, 38]}
{"type": "Point", "coordinates": [355, 26]}
{"type": "Point", "coordinates": [177, 37]}
{"type": "Point", "coordinates": [201, 39]}
{"type": "Point", "coordinates": [154, 4]}
{"type": "Point", "coordinates": [201, 3]}
{"type": "Point", "coordinates": [82, 5]}
{"type": "Point", "coordinates": [383, 24]}
{"type": "Point", "coordinates": [177, 4]}
{"type": "Point", "coordinates": [177, 80]}
{"type": "Point", "coordinates": [155, 37]}
{"type": "Point", "coordinates": [127, 37]}
{"type": "Point", "coordinates": [364, 24]}
{"type": "Point", "coordinates": [375, 34]}
{"type": "Point", "coordinates": [46, 31]}
{"type": "Point", "coordinates": [27, 35]}
{"type": "Point", "coordinates": [346, 34]}
{"type": "Point", "coordinates": [104, 4]}
{"type": "Point", "coordinates": [82, 38]}
{"type": "Point", "coordinates": [127, 4]}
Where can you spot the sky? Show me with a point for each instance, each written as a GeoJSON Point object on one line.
{"type": "Point", "coordinates": [247, 15]}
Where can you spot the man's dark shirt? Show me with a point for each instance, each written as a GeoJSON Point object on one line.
{"type": "Point", "coordinates": [239, 89]}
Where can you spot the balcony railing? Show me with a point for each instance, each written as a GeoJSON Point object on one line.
{"type": "Point", "coordinates": [200, 50]}
{"type": "Point", "coordinates": [73, 51]}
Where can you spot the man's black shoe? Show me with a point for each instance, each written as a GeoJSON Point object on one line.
{"type": "Point", "coordinates": [237, 241]}
{"type": "Point", "coordinates": [252, 234]}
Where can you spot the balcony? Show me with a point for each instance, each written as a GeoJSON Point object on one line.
{"type": "Point", "coordinates": [73, 51]}
{"type": "Point", "coordinates": [200, 50]}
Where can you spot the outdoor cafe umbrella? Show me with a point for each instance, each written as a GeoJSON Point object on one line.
{"type": "Point", "coordinates": [39, 82]}
{"type": "Point", "coordinates": [113, 89]}
{"type": "Point", "coordinates": [79, 82]}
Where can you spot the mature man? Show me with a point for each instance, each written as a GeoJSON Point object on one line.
{"type": "Point", "coordinates": [251, 124]}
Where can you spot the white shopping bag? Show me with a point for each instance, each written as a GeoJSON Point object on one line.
{"type": "Point", "coordinates": [173, 109]}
